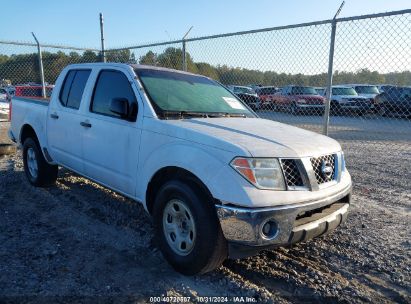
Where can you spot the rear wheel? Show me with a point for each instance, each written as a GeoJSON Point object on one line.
{"type": "Point", "coordinates": [38, 171]}
{"type": "Point", "coordinates": [187, 229]}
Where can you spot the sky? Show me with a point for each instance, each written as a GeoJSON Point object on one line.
{"type": "Point", "coordinates": [132, 22]}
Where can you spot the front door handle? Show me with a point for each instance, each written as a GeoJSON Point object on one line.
{"type": "Point", "coordinates": [54, 116]}
{"type": "Point", "coordinates": [85, 124]}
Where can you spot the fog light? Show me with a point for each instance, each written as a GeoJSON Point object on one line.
{"type": "Point", "coordinates": [269, 229]}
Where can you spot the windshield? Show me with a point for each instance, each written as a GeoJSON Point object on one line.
{"type": "Point", "coordinates": [367, 90]}
{"type": "Point", "coordinates": [178, 92]}
{"type": "Point", "coordinates": [303, 91]}
{"type": "Point", "coordinates": [344, 91]}
{"type": "Point", "coordinates": [243, 90]}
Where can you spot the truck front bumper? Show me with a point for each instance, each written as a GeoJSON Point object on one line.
{"type": "Point", "coordinates": [287, 224]}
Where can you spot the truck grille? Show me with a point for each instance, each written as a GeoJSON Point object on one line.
{"type": "Point", "coordinates": [291, 173]}
{"type": "Point", "coordinates": [320, 166]}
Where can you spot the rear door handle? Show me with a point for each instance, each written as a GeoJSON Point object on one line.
{"type": "Point", "coordinates": [54, 116]}
{"type": "Point", "coordinates": [85, 124]}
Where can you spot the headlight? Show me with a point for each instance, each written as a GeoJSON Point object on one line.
{"type": "Point", "coordinates": [301, 101]}
{"type": "Point", "coordinates": [264, 173]}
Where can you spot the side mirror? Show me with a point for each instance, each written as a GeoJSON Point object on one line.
{"type": "Point", "coordinates": [119, 106]}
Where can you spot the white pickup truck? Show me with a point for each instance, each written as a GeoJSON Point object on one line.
{"type": "Point", "coordinates": [218, 181]}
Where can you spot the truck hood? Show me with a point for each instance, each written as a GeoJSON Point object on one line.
{"type": "Point", "coordinates": [259, 137]}
{"type": "Point", "coordinates": [367, 95]}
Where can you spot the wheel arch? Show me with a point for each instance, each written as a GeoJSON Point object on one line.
{"type": "Point", "coordinates": [168, 173]}
{"type": "Point", "coordinates": [27, 131]}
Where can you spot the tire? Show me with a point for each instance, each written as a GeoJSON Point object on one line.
{"type": "Point", "coordinates": [294, 109]}
{"type": "Point", "coordinates": [205, 247]}
{"type": "Point", "coordinates": [38, 171]}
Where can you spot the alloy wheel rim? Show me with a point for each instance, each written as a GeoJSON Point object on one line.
{"type": "Point", "coordinates": [32, 162]}
{"type": "Point", "coordinates": [179, 227]}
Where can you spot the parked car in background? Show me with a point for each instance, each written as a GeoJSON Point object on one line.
{"type": "Point", "coordinates": [385, 87]}
{"type": "Point", "coordinates": [395, 101]}
{"type": "Point", "coordinates": [32, 90]}
{"type": "Point", "coordinates": [320, 90]}
{"type": "Point", "coordinates": [4, 103]}
{"type": "Point", "coordinates": [4, 95]}
{"type": "Point", "coordinates": [10, 90]}
{"type": "Point", "coordinates": [298, 99]}
{"type": "Point", "coordinates": [246, 94]}
{"type": "Point", "coordinates": [266, 95]}
{"type": "Point", "coordinates": [345, 100]}
{"type": "Point", "coordinates": [255, 86]}
{"type": "Point", "coordinates": [366, 90]}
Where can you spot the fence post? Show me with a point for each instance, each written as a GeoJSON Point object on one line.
{"type": "Point", "coordinates": [184, 56]}
{"type": "Point", "coordinates": [329, 79]}
{"type": "Point", "coordinates": [184, 49]}
{"type": "Point", "coordinates": [330, 72]}
{"type": "Point", "coordinates": [43, 85]}
{"type": "Point", "coordinates": [103, 52]}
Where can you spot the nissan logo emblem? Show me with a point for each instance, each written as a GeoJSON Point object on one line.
{"type": "Point", "coordinates": [326, 169]}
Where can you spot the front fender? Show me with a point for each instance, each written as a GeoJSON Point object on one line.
{"type": "Point", "coordinates": [204, 162]}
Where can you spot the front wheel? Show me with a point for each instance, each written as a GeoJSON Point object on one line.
{"type": "Point", "coordinates": [187, 229]}
{"type": "Point", "coordinates": [38, 171]}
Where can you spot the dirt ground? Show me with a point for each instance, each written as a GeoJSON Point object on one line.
{"type": "Point", "coordinates": [79, 242]}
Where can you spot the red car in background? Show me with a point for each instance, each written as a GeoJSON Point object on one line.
{"type": "Point", "coordinates": [32, 90]}
{"type": "Point", "coordinates": [266, 95]}
{"type": "Point", "coordinates": [298, 99]}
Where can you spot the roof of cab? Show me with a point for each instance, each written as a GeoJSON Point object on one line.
{"type": "Point", "coordinates": [134, 66]}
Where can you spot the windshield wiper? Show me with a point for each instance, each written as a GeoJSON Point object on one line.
{"type": "Point", "coordinates": [181, 114]}
{"type": "Point", "coordinates": [222, 114]}
{"type": "Point", "coordinates": [166, 114]}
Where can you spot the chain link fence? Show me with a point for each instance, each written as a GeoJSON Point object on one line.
{"type": "Point", "coordinates": [24, 73]}
{"type": "Point", "coordinates": [280, 72]}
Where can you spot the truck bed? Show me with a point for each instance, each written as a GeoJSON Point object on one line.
{"type": "Point", "coordinates": [36, 100]}
{"type": "Point", "coordinates": [32, 111]}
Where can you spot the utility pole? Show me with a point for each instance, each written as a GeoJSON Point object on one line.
{"type": "Point", "coordinates": [103, 52]}
{"type": "Point", "coordinates": [40, 58]}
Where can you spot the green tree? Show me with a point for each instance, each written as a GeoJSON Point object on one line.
{"type": "Point", "coordinates": [90, 56]}
{"type": "Point", "coordinates": [124, 56]}
{"type": "Point", "coordinates": [150, 58]}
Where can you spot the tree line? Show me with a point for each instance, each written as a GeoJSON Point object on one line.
{"type": "Point", "coordinates": [24, 68]}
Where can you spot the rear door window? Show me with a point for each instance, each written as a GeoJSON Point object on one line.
{"type": "Point", "coordinates": [73, 88]}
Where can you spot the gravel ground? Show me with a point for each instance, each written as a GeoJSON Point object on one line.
{"type": "Point", "coordinates": [78, 241]}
